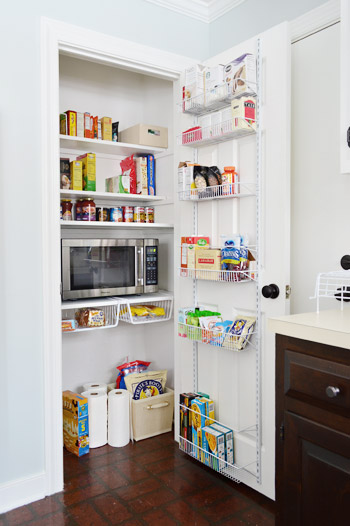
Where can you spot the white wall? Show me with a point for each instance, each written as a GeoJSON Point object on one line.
{"type": "Point", "coordinates": [320, 195]}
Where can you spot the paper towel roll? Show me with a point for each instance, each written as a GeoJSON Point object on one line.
{"type": "Point", "coordinates": [95, 386]}
{"type": "Point", "coordinates": [97, 409]}
{"type": "Point", "coordinates": [118, 417]}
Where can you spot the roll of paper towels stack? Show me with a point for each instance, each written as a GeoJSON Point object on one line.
{"type": "Point", "coordinates": [95, 386]}
{"type": "Point", "coordinates": [97, 410]}
{"type": "Point", "coordinates": [119, 417]}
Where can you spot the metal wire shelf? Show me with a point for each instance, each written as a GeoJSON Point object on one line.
{"type": "Point", "coordinates": [334, 285]}
{"type": "Point", "coordinates": [217, 98]}
{"type": "Point", "coordinates": [225, 191]}
{"type": "Point", "coordinates": [163, 301]}
{"type": "Point", "coordinates": [111, 313]}
{"type": "Point", "coordinates": [216, 338]}
{"type": "Point", "coordinates": [223, 131]}
{"type": "Point", "coordinates": [221, 276]}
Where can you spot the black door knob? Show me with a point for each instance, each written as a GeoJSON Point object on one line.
{"type": "Point", "coordinates": [345, 262]}
{"type": "Point", "coordinates": [270, 291]}
{"type": "Point", "coordinates": [348, 136]}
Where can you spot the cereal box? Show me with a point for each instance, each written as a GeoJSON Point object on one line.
{"type": "Point", "coordinates": [229, 455]}
{"type": "Point", "coordinates": [76, 173]}
{"type": "Point", "coordinates": [76, 434]}
{"type": "Point", "coordinates": [215, 446]}
{"type": "Point", "coordinates": [89, 171]}
{"type": "Point", "coordinates": [106, 126]}
{"type": "Point", "coordinates": [75, 404]}
{"type": "Point", "coordinates": [199, 408]}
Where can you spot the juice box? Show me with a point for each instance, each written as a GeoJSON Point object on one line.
{"type": "Point", "coordinates": [229, 454]}
{"type": "Point", "coordinates": [89, 171]}
{"type": "Point", "coordinates": [71, 122]}
{"type": "Point", "coordinates": [215, 445]}
{"type": "Point", "coordinates": [106, 126]}
{"type": "Point", "coordinates": [76, 173]}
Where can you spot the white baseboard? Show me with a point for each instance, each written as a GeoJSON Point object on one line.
{"type": "Point", "coordinates": [21, 492]}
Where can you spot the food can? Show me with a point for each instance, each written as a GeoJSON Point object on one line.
{"type": "Point", "coordinates": [78, 206]}
{"type": "Point", "coordinates": [139, 214]}
{"type": "Point", "coordinates": [67, 206]}
{"type": "Point", "coordinates": [102, 213]}
{"type": "Point", "coordinates": [128, 214]}
{"type": "Point", "coordinates": [116, 214]}
{"type": "Point", "coordinates": [88, 210]}
{"type": "Point", "coordinates": [149, 214]}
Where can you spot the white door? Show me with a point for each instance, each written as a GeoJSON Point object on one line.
{"type": "Point", "coordinates": [230, 378]}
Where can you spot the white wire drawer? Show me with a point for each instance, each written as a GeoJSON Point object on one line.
{"type": "Point", "coordinates": [100, 314]}
{"type": "Point", "coordinates": [225, 191]}
{"type": "Point", "coordinates": [223, 131]}
{"type": "Point", "coordinates": [223, 276]}
{"type": "Point", "coordinates": [146, 308]}
{"type": "Point", "coordinates": [335, 285]}
{"type": "Point", "coordinates": [217, 338]}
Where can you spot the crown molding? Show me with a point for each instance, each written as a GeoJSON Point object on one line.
{"type": "Point", "coordinates": [203, 10]}
{"type": "Point", "coordinates": [315, 20]}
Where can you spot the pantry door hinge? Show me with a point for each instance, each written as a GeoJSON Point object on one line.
{"type": "Point", "coordinates": [288, 291]}
{"type": "Point", "coordinates": [282, 431]}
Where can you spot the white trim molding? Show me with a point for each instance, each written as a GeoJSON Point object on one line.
{"type": "Point", "coordinates": [203, 10]}
{"type": "Point", "coordinates": [315, 20]}
{"type": "Point", "coordinates": [21, 492]}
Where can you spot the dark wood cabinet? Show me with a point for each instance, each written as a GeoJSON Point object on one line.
{"type": "Point", "coordinates": [312, 434]}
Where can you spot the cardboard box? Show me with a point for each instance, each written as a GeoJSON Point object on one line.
{"type": "Point", "coordinates": [141, 175]}
{"type": "Point", "coordinates": [229, 454]}
{"type": "Point", "coordinates": [63, 124]}
{"type": "Point", "coordinates": [80, 124]}
{"type": "Point", "coordinates": [207, 259]}
{"type": "Point", "coordinates": [198, 407]}
{"type": "Point", "coordinates": [240, 74]}
{"type": "Point", "coordinates": [215, 446]}
{"type": "Point", "coordinates": [146, 135]}
{"type": "Point", "coordinates": [119, 184]}
{"type": "Point", "coordinates": [185, 179]}
{"type": "Point", "coordinates": [243, 113]}
{"type": "Point", "coordinates": [194, 86]}
{"type": "Point", "coordinates": [151, 175]}
{"type": "Point", "coordinates": [76, 434]}
{"type": "Point", "coordinates": [71, 122]}
{"type": "Point", "coordinates": [153, 416]}
{"type": "Point", "coordinates": [87, 133]}
{"type": "Point", "coordinates": [65, 173]}
{"type": "Point", "coordinates": [74, 404]}
{"type": "Point", "coordinates": [106, 127]}
{"type": "Point", "coordinates": [76, 173]}
{"type": "Point", "coordinates": [89, 171]}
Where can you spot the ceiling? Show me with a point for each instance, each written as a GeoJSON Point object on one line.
{"type": "Point", "coordinates": [203, 10]}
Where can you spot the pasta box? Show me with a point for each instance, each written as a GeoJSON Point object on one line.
{"type": "Point", "coordinates": [146, 135]}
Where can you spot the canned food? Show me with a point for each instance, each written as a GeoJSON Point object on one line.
{"type": "Point", "coordinates": [78, 206]}
{"type": "Point", "coordinates": [116, 214]}
{"type": "Point", "coordinates": [102, 214]}
{"type": "Point", "coordinates": [139, 214]}
{"type": "Point", "coordinates": [88, 210]}
{"type": "Point", "coordinates": [128, 214]}
{"type": "Point", "coordinates": [149, 214]}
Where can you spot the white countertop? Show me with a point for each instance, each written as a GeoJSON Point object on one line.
{"type": "Point", "coordinates": [331, 327]}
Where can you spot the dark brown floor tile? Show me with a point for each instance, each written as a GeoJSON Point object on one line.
{"type": "Point", "coordinates": [60, 518]}
{"type": "Point", "coordinates": [185, 515]}
{"type": "Point", "coordinates": [111, 476]}
{"type": "Point", "coordinates": [73, 497]}
{"type": "Point", "coordinates": [46, 506]}
{"type": "Point", "coordinates": [73, 465]}
{"type": "Point", "coordinates": [131, 470]}
{"type": "Point", "coordinates": [159, 517]}
{"type": "Point", "coordinates": [172, 480]}
{"type": "Point", "coordinates": [156, 499]}
{"type": "Point", "coordinates": [220, 510]}
{"type": "Point", "coordinates": [85, 515]}
{"type": "Point", "coordinates": [19, 516]}
{"type": "Point", "coordinates": [155, 456]}
{"type": "Point", "coordinates": [195, 476]}
{"type": "Point", "coordinates": [208, 496]}
{"type": "Point", "coordinates": [132, 522]}
{"type": "Point", "coordinates": [168, 464]}
{"type": "Point", "coordinates": [112, 509]}
{"type": "Point", "coordinates": [257, 517]}
{"type": "Point", "coordinates": [137, 490]}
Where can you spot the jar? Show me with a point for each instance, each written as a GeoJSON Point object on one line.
{"type": "Point", "coordinates": [139, 214]}
{"type": "Point", "coordinates": [128, 214]}
{"type": "Point", "coordinates": [149, 214]}
{"type": "Point", "coordinates": [67, 206]}
{"type": "Point", "coordinates": [229, 178]}
{"type": "Point", "coordinates": [102, 214]}
{"type": "Point", "coordinates": [88, 210]}
{"type": "Point", "coordinates": [78, 206]}
{"type": "Point", "coordinates": [116, 214]}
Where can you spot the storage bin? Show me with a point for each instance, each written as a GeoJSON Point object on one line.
{"type": "Point", "coordinates": [146, 135]}
{"type": "Point", "coordinates": [153, 416]}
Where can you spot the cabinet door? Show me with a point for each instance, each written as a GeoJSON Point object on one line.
{"type": "Point", "coordinates": [316, 474]}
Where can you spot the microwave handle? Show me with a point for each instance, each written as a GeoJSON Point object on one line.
{"type": "Point", "coordinates": [139, 265]}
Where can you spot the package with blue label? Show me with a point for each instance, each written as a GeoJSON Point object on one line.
{"type": "Point", "coordinates": [146, 384]}
{"type": "Point", "coordinates": [231, 261]}
{"type": "Point", "coordinates": [214, 442]}
{"type": "Point", "coordinates": [228, 433]}
{"type": "Point", "coordinates": [239, 333]}
{"type": "Point", "coordinates": [218, 332]}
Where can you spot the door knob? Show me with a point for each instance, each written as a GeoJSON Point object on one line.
{"type": "Point", "coordinates": [270, 291]}
{"type": "Point", "coordinates": [345, 262]}
{"type": "Point", "coordinates": [348, 136]}
{"type": "Point", "coordinates": [332, 392]}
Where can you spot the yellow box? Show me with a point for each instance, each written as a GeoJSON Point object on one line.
{"type": "Point", "coordinates": [89, 171]}
{"type": "Point", "coordinates": [106, 127]}
{"type": "Point", "coordinates": [76, 173]}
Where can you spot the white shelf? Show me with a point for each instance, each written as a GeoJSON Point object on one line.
{"type": "Point", "coordinates": [214, 338]}
{"type": "Point", "coordinates": [161, 299]}
{"type": "Point", "coordinates": [219, 192]}
{"type": "Point", "coordinates": [110, 307]}
{"type": "Point", "coordinates": [110, 197]}
{"type": "Point", "coordinates": [109, 147]}
{"type": "Point", "coordinates": [221, 276]}
{"type": "Point", "coordinates": [111, 224]}
{"type": "Point", "coordinates": [214, 134]}
{"type": "Point", "coordinates": [89, 303]}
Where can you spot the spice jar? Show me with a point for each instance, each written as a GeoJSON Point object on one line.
{"type": "Point", "coordinates": [88, 210]}
{"type": "Point", "coordinates": [67, 206]}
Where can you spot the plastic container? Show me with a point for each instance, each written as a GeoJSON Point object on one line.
{"type": "Point", "coordinates": [153, 416]}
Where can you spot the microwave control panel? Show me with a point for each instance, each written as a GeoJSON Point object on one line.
{"type": "Point", "coordinates": [151, 265]}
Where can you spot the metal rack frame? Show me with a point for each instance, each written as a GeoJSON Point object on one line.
{"type": "Point", "coordinates": [233, 472]}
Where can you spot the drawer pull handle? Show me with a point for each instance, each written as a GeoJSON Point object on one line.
{"type": "Point", "coordinates": [157, 406]}
{"type": "Point", "coordinates": [332, 392]}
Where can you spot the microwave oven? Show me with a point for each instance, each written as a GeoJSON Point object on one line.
{"type": "Point", "coordinates": [93, 268]}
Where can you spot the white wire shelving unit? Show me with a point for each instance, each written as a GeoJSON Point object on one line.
{"type": "Point", "coordinates": [220, 276]}
{"type": "Point", "coordinates": [236, 190]}
{"type": "Point", "coordinates": [196, 138]}
{"type": "Point", "coordinates": [163, 300]}
{"type": "Point", "coordinates": [216, 338]}
{"type": "Point", "coordinates": [333, 285]}
{"type": "Point", "coordinates": [109, 306]}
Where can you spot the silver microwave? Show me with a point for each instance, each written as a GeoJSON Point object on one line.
{"type": "Point", "coordinates": [93, 268]}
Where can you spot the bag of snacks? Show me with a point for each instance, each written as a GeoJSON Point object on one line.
{"type": "Point", "coordinates": [90, 318]}
{"type": "Point", "coordinates": [239, 333]}
{"type": "Point", "coordinates": [128, 168]}
{"type": "Point", "coordinates": [146, 384]}
{"type": "Point", "coordinates": [137, 366]}
{"type": "Point", "coordinates": [146, 311]}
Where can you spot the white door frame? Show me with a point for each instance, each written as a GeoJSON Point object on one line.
{"type": "Point", "coordinates": [59, 37]}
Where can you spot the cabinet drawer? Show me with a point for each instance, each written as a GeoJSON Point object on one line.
{"type": "Point", "coordinates": [310, 376]}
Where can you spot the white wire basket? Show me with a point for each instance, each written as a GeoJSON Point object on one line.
{"type": "Point", "coordinates": [216, 98]}
{"type": "Point", "coordinates": [223, 131]}
{"type": "Point", "coordinates": [335, 285]}
{"type": "Point", "coordinates": [220, 276]}
{"type": "Point", "coordinates": [109, 306]}
{"type": "Point", "coordinates": [224, 191]}
{"type": "Point", "coordinates": [217, 338]}
{"type": "Point", "coordinates": [164, 302]}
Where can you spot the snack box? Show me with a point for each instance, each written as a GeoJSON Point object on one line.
{"type": "Point", "coordinates": [119, 184]}
{"type": "Point", "coordinates": [186, 416]}
{"type": "Point", "coordinates": [115, 126]}
{"type": "Point", "coordinates": [185, 178]}
{"type": "Point", "coordinates": [238, 335]}
{"type": "Point", "coordinates": [214, 441]}
{"type": "Point", "coordinates": [80, 124]}
{"type": "Point", "coordinates": [194, 86]}
{"type": "Point", "coordinates": [244, 113]}
{"type": "Point", "coordinates": [199, 420]}
{"type": "Point", "coordinates": [240, 74]}
{"type": "Point", "coordinates": [69, 325]}
{"type": "Point", "coordinates": [63, 124]}
{"type": "Point", "coordinates": [76, 173]}
{"type": "Point", "coordinates": [229, 454]}
{"type": "Point", "coordinates": [71, 122]}
{"type": "Point", "coordinates": [76, 434]}
{"type": "Point", "coordinates": [89, 171]}
{"type": "Point", "coordinates": [74, 404]}
{"type": "Point", "coordinates": [207, 324]}
{"type": "Point", "coordinates": [151, 175]}
{"type": "Point", "coordinates": [200, 242]}
{"type": "Point", "coordinates": [87, 132]}
{"type": "Point", "coordinates": [207, 259]}
{"type": "Point", "coordinates": [219, 331]}
{"type": "Point", "coordinates": [106, 127]}
{"type": "Point", "coordinates": [141, 175]}
{"type": "Point", "coordinates": [146, 135]}
{"type": "Point", "coordinates": [182, 320]}
{"type": "Point", "coordinates": [65, 173]}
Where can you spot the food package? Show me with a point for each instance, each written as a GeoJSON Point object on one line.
{"type": "Point", "coordinates": [106, 127]}
{"type": "Point", "coordinates": [146, 384]}
{"type": "Point", "coordinates": [91, 318]}
{"type": "Point", "coordinates": [141, 175]}
{"type": "Point", "coordinates": [71, 122]}
{"type": "Point", "coordinates": [119, 184]}
{"type": "Point", "coordinates": [185, 178]}
{"type": "Point", "coordinates": [192, 135]}
{"type": "Point", "coordinates": [231, 261]}
{"type": "Point", "coordinates": [207, 261]}
{"type": "Point", "coordinates": [214, 445]}
{"type": "Point", "coordinates": [63, 124]}
{"type": "Point", "coordinates": [202, 415]}
{"type": "Point", "coordinates": [65, 173]}
{"type": "Point", "coordinates": [218, 332]}
{"type": "Point", "coordinates": [89, 171]}
{"type": "Point", "coordinates": [151, 175]}
{"type": "Point", "coordinates": [240, 74]}
{"type": "Point", "coordinates": [75, 423]}
{"type": "Point", "coordinates": [140, 311]}
{"type": "Point", "coordinates": [69, 325]}
{"type": "Point", "coordinates": [207, 324]}
{"type": "Point", "coordinates": [128, 168]}
{"type": "Point", "coordinates": [80, 124]}
{"type": "Point", "coordinates": [115, 126]}
{"type": "Point", "coordinates": [239, 333]}
{"type": "Point", "coordinates": [228, 433]}
{"type": "Point", "coordinates": [76, 174]}
{"type": "Point", "coordinates": [194, 86]}
{"type": "Point", "coordinates": [244, 113]}
{"type": "Point", "coordinates": [214, 86]}
{"type": "Point", "coordinates": [137, 366]}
